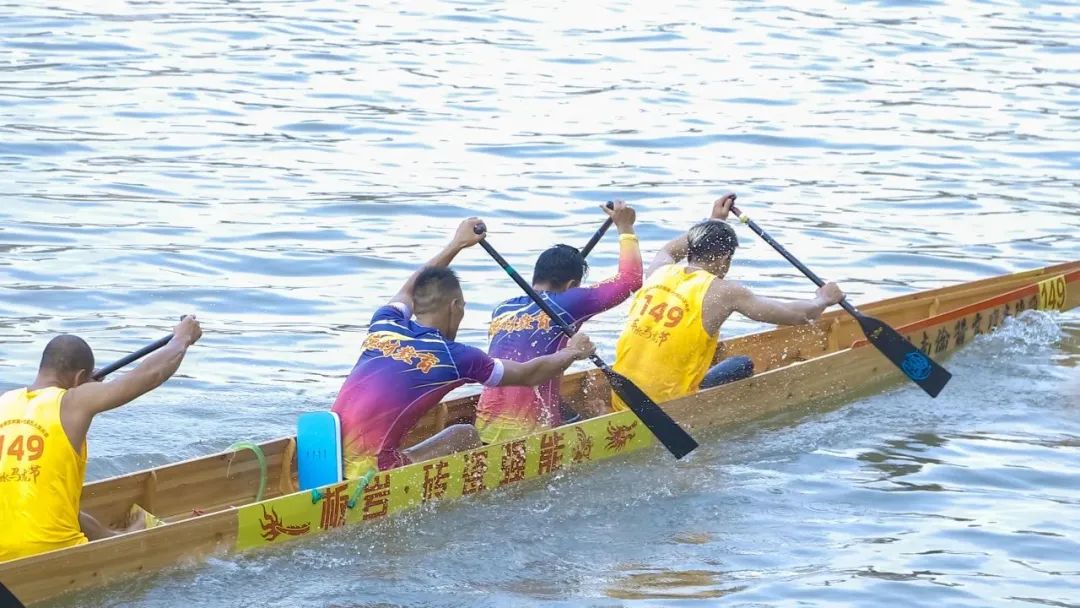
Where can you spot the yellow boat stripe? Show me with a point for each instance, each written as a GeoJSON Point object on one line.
{"type": "Point", "coordinates": [1052, 293]}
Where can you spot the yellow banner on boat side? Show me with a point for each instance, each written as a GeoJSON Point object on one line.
{"type": "Point", "coordinates": [304, 513]}
{"type": "Point", "coordinates": [1052, 294]}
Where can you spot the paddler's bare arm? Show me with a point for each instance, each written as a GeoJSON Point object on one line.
{"type": "Point", "coordinates": [82, 403]}
{"type": "Point", "coordinates": [541, 369]}
{"type": "Point", "coordinates": [675, 250]}
{"type": "Point", "coordinates": [726, 297]}
{"type": "Point", "coordinates": [464, 238]}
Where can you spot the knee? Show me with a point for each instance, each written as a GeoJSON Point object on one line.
{"type": "Point", "coordinates": [464, 435]}
{"type": "Point", "coordinates": [729, 370]}
{"type": "Point", "coordinates": [743, 366]}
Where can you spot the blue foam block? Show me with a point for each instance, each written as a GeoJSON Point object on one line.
{"type": "Point", "coordinates": [318, 449]}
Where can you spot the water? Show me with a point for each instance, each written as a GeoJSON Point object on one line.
{"type": "Point", "coordinates": [279, 167]}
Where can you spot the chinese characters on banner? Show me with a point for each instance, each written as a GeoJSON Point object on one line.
{"type": "Point", "coordinates": [551, 452]}
{"type": "Point", "coordinates": [476, 466]}
{"type": "Point", "coordinates": [513, 462]}
{"type": "Point", "coordinates": [436, 477]}
{"type": "Point", "coordinates": [334, 504]}
{"type": "Point", "coordinates": [377, 497]}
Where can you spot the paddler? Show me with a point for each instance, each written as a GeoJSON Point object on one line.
{"type": "Point", "coordinates": [669, 341]}
{"type": "Point", "coordinates": [43, 431]}
{"type": "Point", "coordinates": [406, 367]}
{"type": "Point", "coordinates": [520, 331]}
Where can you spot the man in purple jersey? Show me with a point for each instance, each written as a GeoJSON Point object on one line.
{"type": "Point", "coordinates": [406, 367]}
{"type": "Point", "coordinates": [520, 331]}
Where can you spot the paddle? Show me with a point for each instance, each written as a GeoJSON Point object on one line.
{"type": "Point", "coordinates": [135, 356]}
{"type": "Point", "coordinates": [921, 369]}
{"type": "Point", "coordinates": [599, 233]}
{"type": "Point", "coordinates": [8, 599]}
{"type": "Point", "coordinates": [568, 414]}
{"type": "Point", "coordinates": [674, 438]}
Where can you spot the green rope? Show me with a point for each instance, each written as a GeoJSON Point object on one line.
{"type": "Point", "coordinates": [316, 495]}
{"type": "Point", "coordinates": [363, 483]}
{"type": "Point", "coordinates": [247, 445]}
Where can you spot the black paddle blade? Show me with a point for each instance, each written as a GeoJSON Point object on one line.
{"type": "Point", "coordinates": [8, 599]}
{"type": "Point", "coordinates": [666, 430]}
{"type": "Point", "coordinates": [921, 369]}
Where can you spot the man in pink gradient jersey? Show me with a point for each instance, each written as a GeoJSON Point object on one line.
{"type": "Point", "coordinates": [406, 367]}
{"type": "Point", "coordinates": [520, 331]}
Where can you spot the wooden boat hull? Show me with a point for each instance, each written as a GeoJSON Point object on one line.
{"type": "Point", "coordinates": [210, 502]}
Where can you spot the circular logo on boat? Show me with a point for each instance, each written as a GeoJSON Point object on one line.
{"type": "Point", "coordinates": [916, 365]}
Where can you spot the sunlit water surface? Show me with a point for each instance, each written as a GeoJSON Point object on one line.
{"type": "Point", "coordinates": [279, 167]}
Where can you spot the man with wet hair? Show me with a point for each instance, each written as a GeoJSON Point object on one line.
{"type": "Point", "coordinates": [669, 341]}
{"type": "Point", "coordinates": [560, 268]}
{"type": "Point", "coordinates": [406, 367]}
{"type": "Point", "coordinates": [520, 331]}
{"type": "Point", "coordinates": [43, 431]}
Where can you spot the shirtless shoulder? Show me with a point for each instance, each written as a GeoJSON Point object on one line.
{"type": "Point", "coordinates": [720, 301]}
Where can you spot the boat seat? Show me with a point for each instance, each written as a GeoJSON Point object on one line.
{"type": "Point", "coordinates": [318, 450]}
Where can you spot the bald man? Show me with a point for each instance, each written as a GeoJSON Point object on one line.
{"type": "Point", "coordinates": [43, 431]}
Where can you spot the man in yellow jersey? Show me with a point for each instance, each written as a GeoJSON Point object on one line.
{"type": "Point", "coordinates": [43, 431]}
{"type": "Point", "coordinates": [670, 339]}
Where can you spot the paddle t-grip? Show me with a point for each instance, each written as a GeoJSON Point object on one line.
{"type": "Point", "coordinates": [479, 228]}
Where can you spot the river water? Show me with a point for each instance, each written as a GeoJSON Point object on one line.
{"type": "Point", "coordinates": [278, 167]}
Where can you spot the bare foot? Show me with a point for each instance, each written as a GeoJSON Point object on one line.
{"type": "Point", "coordinates": [141, 519]}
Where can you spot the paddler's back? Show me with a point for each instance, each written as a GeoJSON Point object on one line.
{"type": "Point", "coordinates": [664, 347]}
{"type": "Point", "coordinates": [41, 475]}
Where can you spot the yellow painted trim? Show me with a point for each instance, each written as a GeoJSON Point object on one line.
{"type": "Point", "coordinates": [1053, 293]}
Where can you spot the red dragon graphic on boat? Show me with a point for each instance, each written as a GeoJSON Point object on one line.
{"type": "Point", "coordinates": [273, 527]}
{"type": "Point", "coordinates": [618, 435]}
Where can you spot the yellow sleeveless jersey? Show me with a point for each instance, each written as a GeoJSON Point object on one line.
{"type": "Point", "coordinates": [41, 475]}
{"type": "Point", "coordinates": [664, 348]}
